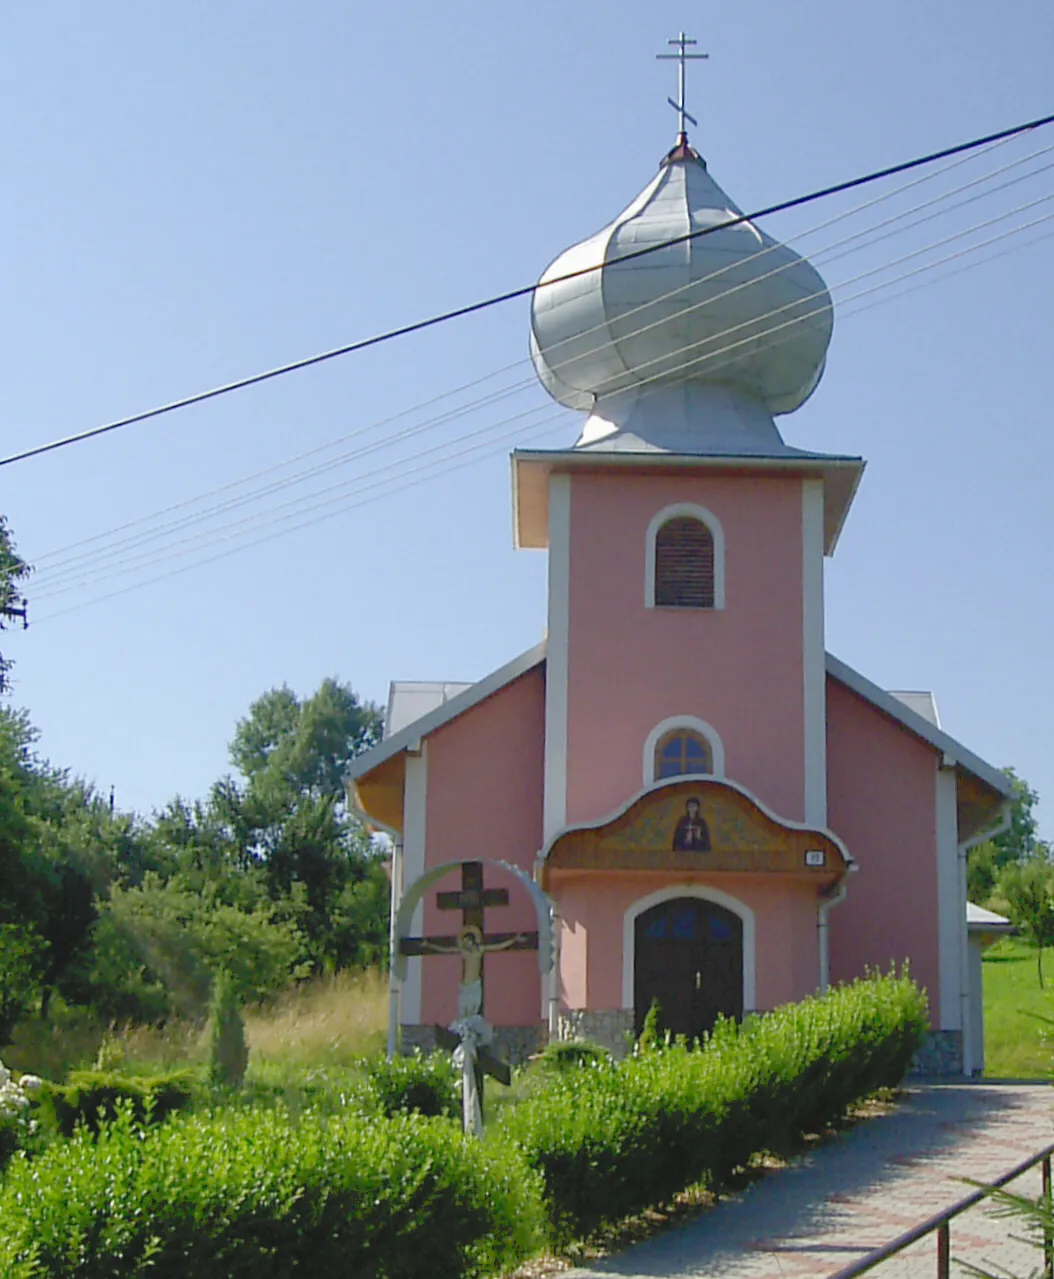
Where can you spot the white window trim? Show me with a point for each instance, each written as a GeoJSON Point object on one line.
{"type": "Point", "coordinates": [678, 511]}
{"type": "Point", "coordinates": [692, 725]}
{"type": "Point", "coordinates": [707, 893]}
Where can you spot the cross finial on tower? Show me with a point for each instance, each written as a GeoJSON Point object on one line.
{"type": "Point", "coordinates": [681, 44]}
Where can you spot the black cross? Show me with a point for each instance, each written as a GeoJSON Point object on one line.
{"type": "Point", "coordinates": [472, 900]}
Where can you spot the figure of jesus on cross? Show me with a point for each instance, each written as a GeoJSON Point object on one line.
{"type": "Point", "coordinates": [468, 1038]}
{"type": "Point", "coordinates": [472, 943]}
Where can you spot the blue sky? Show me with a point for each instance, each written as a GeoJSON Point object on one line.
{"type": "Point", "coordinates": [196, 192]}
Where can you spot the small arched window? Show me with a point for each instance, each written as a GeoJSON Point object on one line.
{"type": "Point", "coordinates": [681, 752]}
{"type": "Point", "coordinates": [684, 564]}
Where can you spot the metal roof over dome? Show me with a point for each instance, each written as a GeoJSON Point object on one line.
{"type": "Point", "coordinates": [730, 308]}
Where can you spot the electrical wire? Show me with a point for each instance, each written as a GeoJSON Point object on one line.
{"type": "Point", "coordinates": [527, 290]}
{"type": "Point", "coordinates": [968, 158]}
{"type": "Point", "coordinates": [665, 374]}
{"type": "Point", "coordinates": [76, 563]}
{"type": "Point", "coordinates": [427, 467]}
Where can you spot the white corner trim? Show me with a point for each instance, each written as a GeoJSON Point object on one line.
{"type": "Point", "coordinates": [951, 910]}
{"type": "Point", "coordinates": [814, 654]}
{"type": "Point", "coordinates": [707, 893]}
{"type": "Point", "coordinates": [557, 657]}
{"type": "Point", "coordinates": [695, 512]}
{"type": "Point", "coordinates": [415, 809]}
{"type": "Point", "coordinates": [692, 724]}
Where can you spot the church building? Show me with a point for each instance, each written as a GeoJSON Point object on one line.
{"type": "Point", "coordinates": [723, 815]}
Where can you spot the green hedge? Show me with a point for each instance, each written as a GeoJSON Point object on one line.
{"type": "Point", "coordinates": [429, 1085]}
{"type": "Point", "coordinates": [90, 1097]}
{"type": "Point", "coordinates": [247, 1194]}
{"type": "Point", "coordinates": [613, 1140]}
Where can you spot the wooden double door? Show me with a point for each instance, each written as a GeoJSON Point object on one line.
{"type": "Point", "coordinates": [688, 954]}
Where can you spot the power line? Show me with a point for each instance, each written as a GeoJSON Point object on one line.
{"type": "Point", "coordinates": [339, 503]}
{"type": "Point", "coordinates": [60, 553]}
{"type": "Point", "coordinates": [64, 564]}
{"type": "Point", "coordinates": [58, 585]}
{"type": "Point", "coordinates": [473, 308]}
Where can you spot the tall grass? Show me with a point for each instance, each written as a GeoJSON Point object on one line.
{"type": "Point", "coordinates": [327, 1022]}
{"type": "Point", "coordinates": [330, 1021]}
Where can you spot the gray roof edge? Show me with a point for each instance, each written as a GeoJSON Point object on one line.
{"type": "Point", "coordinates": [625, 456]}
{"type": "Point", "coordinates": [472, 696]}
{"type": "Point", "coordinates": [916, 724]}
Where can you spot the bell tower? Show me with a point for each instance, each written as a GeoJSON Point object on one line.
{"type": "Point", "coordinates": [686, 539]}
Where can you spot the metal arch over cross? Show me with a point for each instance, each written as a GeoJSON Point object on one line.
{"type": "Point", "coordinates": [682, 56]}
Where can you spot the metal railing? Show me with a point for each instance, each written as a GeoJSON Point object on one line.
{"type": "Point", "coordinates": [941, 1223]}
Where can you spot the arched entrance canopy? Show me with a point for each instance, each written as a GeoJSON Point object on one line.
{"type": "Point", "coordinates": [700, 823]}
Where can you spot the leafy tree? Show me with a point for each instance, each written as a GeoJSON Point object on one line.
{"type": "Point", "coordinates": [287, 747]}
{"type": "Point", "coordinates": [20, 959]}
{"type": "Point", "coordinates": [1029, 892]}
{"type": "Point", "coordinates": [288, 816]}
{"type": "Point", "coordinates": [1017, 844]}
{"type": "Point", "coordinates": [13, 572]}
{"type": "Point", "coordinates": [158, 948]}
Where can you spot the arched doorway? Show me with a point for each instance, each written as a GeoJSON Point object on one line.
{"type": "Point", "coordinates": [688, 954]}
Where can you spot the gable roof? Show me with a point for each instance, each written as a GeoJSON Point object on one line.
{"type": "Point", "coordinates": [411, 700]}
{"type": "Point", "coordinates": [896, 706]}
{"type": "Point", "coordinates": [891, 705]}
{"type": "Point", "coordinates": [410, 734]}
{"type": "Point", "coordinates": [922, 703]}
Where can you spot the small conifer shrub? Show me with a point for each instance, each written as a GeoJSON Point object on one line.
{"type": "Point", "coordinates": [651, 1035]}
{"type": "Point", "coordinates": [228, 1051]}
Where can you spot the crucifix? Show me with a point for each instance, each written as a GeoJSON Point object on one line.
{"type": "Point", "coordinates": [473, 943]}
{"type": "Point", "coordinates": [682, 56]}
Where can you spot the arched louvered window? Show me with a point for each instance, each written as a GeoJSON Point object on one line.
{"type": "Point", "coordinates": [680, 752]}
{"type": "Point", "coordinates": [684, 564]}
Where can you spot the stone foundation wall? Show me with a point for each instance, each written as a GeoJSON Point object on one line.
{"type": "Point", "coordinates": [940, 1056]}
{"type": "Point", "coordinates": [514, 1043]}
{"type": "Point", "coordinates": [612, 1028]}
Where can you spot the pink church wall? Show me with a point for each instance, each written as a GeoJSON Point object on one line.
{"type": "Point", "coordinates": [485, 772]}
{"type": "Point", "coordinates": [739, 669]}
{"type": "Point", "coordinates": [881, 798]}
{"type": "Point", "coordinates": [593, 907]}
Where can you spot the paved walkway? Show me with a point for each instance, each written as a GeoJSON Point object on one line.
{"type": "Point", "coordinates": [850, 1197]}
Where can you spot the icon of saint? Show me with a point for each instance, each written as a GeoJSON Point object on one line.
{"type": "Point", "coordinates": [691, 834]}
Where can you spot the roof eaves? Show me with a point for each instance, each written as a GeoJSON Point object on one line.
{"type": "Point", "coordinates": [916, 724]}
{"type": "Point", "coordinates": [406, 737]}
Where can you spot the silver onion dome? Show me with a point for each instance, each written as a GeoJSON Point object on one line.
{"type": "Point", "coordinates": [732, 319]}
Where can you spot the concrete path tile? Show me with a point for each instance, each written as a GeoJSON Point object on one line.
{"type": "Point", "coordinates": [841, 1202]}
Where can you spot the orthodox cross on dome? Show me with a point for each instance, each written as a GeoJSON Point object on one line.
{"type": "Point", "coordinates": [682, 56]}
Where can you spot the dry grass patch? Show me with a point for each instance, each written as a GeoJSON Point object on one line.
{"type": "Point", "coordinates": [326, 1022]}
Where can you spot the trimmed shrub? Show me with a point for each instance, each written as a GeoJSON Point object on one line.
{"type": "Point", "coordinates": [612, 1141]}
{"type": "Point", "coordinates": [247, 1194]}
{"type": "Point", "coordinates": [573, 1054]}
{"type": "Point", "coordinates": [92, 1097]}
{"type": "Point", "coordinates": [228, 1051]}
{"type": "Point", "coordinates": [429, 1085]}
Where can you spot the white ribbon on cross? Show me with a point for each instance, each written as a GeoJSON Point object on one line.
{"type": "Point", "coordinates": [473, 1032]}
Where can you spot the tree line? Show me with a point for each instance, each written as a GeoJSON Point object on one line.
{"type": "Point", "coordinates": [1013, 873]}
{"type": "Point", "coordinates": [269, 877]}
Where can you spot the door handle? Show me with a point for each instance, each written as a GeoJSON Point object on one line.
{"type": "Point", "coordinates": [698, 981]}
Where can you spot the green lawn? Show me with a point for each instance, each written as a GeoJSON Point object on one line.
{"type": "Point", "coordinates": [1018, 1045]}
